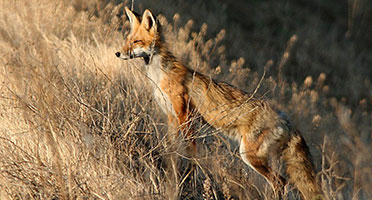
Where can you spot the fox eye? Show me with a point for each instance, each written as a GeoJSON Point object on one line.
{"type": "Point", "coordinates": [136, 41]}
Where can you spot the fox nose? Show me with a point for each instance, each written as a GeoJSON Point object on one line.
{"type": "Point", "coordinates": [117, 54]}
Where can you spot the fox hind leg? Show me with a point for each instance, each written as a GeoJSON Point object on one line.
{"type": "Point", "coordinates": [260, 164]}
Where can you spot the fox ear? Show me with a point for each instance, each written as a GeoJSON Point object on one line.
{"type": "Point", "coordinates": [148, 20]}
{"type": "Point", "coordinates": [132, 18]}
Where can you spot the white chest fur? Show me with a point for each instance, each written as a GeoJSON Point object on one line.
{"type": "Point", "coordinates": [155, 73]}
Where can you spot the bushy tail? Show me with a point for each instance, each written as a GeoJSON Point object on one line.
{"type": "Point", "coordinates": [300, 168]}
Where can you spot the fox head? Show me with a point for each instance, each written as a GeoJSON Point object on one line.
{"type": "Point", "coordinates": [143, 36]}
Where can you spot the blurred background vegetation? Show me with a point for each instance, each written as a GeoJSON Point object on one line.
{"type": "Point", "coordinates": [334, 37]}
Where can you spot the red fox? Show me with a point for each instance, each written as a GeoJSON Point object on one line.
{"type": "Point", "coordinates": [263, 132]}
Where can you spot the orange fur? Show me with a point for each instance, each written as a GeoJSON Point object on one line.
{"type": "Point", "coordinates": [264, 133]}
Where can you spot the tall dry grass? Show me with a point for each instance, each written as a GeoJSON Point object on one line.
{"type": "Point", "coordinates": [78, 123]}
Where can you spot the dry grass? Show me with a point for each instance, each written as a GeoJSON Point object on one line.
{"type": "Point", "coordinates": [78, 123]}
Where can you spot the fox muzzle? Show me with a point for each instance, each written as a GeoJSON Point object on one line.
{"type": "Point", "coordinates": [124, 56]}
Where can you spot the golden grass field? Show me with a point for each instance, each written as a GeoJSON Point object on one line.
{"type": "Point", "coordinates": [78, 123]}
